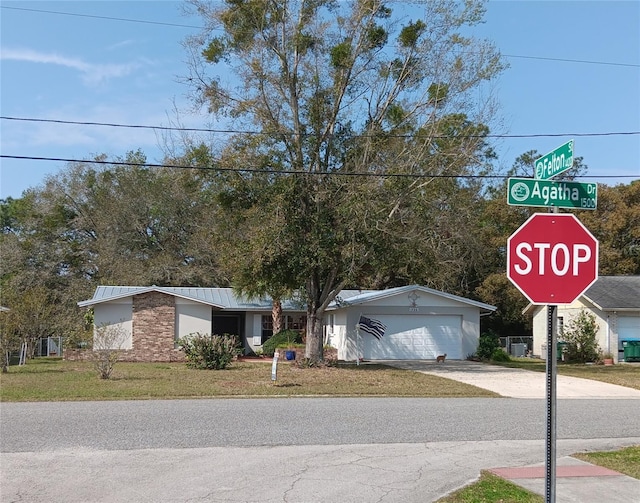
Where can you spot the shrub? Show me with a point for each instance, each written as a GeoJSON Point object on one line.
{"type": "Point", "coordinates": [107, 346]}
{"type": "Point", "coordinates": [281, 339]}
{"type": "Point", "coordinates": [500, 355]}
{"type": "Point", "coordinates": [489, 342]}
{"type": "Point", "coordinates": [580, 336]}
{"type": "Point", "coordinates": [213, 352]}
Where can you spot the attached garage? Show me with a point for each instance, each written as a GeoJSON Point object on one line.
{"type": "Point", "coordinates": [415, 337]}
{"type": "Point", "coordinates": [421, 323]}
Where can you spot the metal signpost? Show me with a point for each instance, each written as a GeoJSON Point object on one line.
{"type": "Point", "coordinates": [555, 162]}
{"type": "Point", "coordinates": [552, 259]}
{"type": "Point", "coordinates": [531, 192]}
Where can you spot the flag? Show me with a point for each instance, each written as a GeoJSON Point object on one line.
{"type": "Point", "coordinates": [373, 327]}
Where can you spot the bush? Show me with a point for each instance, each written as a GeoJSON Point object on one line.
{"type": "Point", "coordinates": [212, 352]}
{"type": "Point", "coordinates": [500, 355]}
{"type": "Point", "coordinates": [107, 346]}
{"type": "Point", "coordinates": [580, 336]}
{"type": "Point", "coordinates": [489, 342]}
{"type": "Point", "coordinates": [281, 339]}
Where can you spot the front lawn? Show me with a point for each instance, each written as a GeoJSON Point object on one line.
{"type": "Point", "coordinates": [47, 379]}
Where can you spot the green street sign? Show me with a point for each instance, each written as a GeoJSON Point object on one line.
{"type": "Point", "coordinates": [555, 162]}
{"type": "Point", "coordinates": [531, 192]}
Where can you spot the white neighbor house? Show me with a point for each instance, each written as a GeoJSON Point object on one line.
{"type": "Point", "coordinates": [615, 302]}
{"type": "Point", "coordinates": [421, 322]}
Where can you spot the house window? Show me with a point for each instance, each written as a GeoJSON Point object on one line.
{"type": "Point", "coordinates": [297, 322]}
{"type": "Point", "coordinates": [267, 327]}
{"type": "Point", "coordinates": [292, 322]}
{"type": "Point", "coordinates": [560, 327]}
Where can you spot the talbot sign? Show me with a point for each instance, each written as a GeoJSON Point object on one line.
{"type": "Point", "coordinates": [552, 258]}
{"type": "Point", "coordinates": [555, 162]}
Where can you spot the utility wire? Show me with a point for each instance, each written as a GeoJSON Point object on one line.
{"type": "Point", "coordinates": [178, 25]}
{"type": "Point", "coordinates": [249, 132]}
{"type": "Point", "coordinates": [276, 171]}
{"type": "Point", "coordinates": [103, 17]}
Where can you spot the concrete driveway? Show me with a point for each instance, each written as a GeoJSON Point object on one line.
{"type": "Point", "coordinates": [515, 383]}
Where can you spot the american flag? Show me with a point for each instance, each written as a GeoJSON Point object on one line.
{"type": "Point", "coordinates": [373, 327]}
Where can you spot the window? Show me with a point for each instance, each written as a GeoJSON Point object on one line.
{"type": "Point", "coordinates": [560, 326]}
{"type": "Point", "coordinates": [267, 327]}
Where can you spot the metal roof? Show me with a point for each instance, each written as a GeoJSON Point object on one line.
{"type": "Point", "coordinates": [221, 298]}
{"type": "Point", "coordinates": [355, 297]}
{"type": "Point", "coordinates": [225, 298]}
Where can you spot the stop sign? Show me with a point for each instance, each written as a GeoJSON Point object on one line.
{"type": "Point", "coordinates": [552, 258]}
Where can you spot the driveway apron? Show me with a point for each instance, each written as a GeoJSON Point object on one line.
{"type": "Point", "coordinates": [516, 383]}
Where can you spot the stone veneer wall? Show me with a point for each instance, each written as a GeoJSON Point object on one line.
{"type": "Point", "coordinates": [153, 332]}
{"type": "Point", "coordinates": [154, 328]}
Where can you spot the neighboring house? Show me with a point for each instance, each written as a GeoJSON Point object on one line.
{"type": "Point", "coordinates": [615, 302]}
{"type": "Point", "coordinates": [421, 322]}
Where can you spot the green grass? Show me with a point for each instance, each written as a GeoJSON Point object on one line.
{"type": "Point", "coordinates": [625, 374]}
{"type": "Point", "coordinates": [46, 379]}
{"type": "Point", "coordinates": [492, 489]}
{"type": "Point", "coordinates": [625, 460]}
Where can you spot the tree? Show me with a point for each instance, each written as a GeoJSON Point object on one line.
{"type": "Point", "coordinates": [340, 94]}
{"type": "Point", "coordinates": [616, 225]}
{"type": "Point", "coordinates": [498, 221]}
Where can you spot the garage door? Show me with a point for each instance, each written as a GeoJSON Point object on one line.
{"type": "Point", "coordinates": [628, 327]}
{"type": "Point", "coordinates": [415, 338]}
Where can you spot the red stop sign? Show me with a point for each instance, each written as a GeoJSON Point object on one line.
{"type": "Point", "coordinates": [552, 258]}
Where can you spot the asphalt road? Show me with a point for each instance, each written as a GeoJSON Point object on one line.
{"type": "Point", "coordinates": [285, 449]}
{"type": "Point", "coordinates": [33, 427]}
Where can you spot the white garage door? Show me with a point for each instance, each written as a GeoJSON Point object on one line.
{"type": "Point", "coordinates": [415, 338]}
{"type": "Point", "coordinates": [628, 327]}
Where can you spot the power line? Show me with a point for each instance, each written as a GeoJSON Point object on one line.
{"type": "Point", "coordinates": [103, 17]}
{"type": "Point", "coordinates": [276, 171]}
{"type": "Point", "coordinates": [249, 132]}
{"type": "Point", "coordinates": [178, 25]}
{"type": "Point", "coordinates": [563, 60]}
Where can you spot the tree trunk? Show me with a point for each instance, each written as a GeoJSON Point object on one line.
{"type": "Point", "coordinates": [313, 350]}
{"type": "Point", "coordinates": [276, 316]}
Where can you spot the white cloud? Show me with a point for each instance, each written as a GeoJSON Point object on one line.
{"type": "Point", "coordinates": [91, 73]}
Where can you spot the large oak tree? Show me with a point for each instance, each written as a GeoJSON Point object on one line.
{"type": "Point", "coordinates": [347, 116]}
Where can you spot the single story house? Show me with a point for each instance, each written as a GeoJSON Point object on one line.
{"type": "Point", "coordinates": [613, 300]}
{"type": "Point", "coordinates": [421, 323]}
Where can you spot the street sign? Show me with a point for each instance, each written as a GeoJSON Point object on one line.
{"type": "Point", "coordinates": [552, 258]}
{"type": "Point", "coordinates": [530, 192]}
{"type": "Point", "coordinates": [555, 162]}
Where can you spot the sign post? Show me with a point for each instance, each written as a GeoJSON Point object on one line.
{"type": "Point", "coordinates": [552, 259]}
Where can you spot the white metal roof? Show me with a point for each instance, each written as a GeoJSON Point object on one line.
{"type": "Point", "coordinates": [225, 298]}
{"type": "Point", "coordinates": [362, 297]}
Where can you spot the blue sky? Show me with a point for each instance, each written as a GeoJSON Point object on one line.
{"type": "Point", "coordinates": [90, 69]}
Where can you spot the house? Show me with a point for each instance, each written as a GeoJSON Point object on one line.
{"type": "Point", "coordinates": [613, 300]}
{"type": "Point", "coordinates": [421, 322]}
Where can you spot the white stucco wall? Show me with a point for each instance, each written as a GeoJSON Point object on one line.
{"type": "Point", "coordinates": [607, 321]}
{"type": "Point", "coordinates": [344, 334]}
{"type": "Point", "coordinates": [192, 317]}
{"type": "Point", "coordinates": [115, 316]}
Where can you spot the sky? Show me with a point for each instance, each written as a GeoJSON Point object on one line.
{"type": "Point", "coordinates": [574, 72]}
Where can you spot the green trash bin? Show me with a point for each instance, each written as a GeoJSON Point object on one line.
{"type": "Point", "coordinates": [562, 348]}
{"type": "Point", "coordinates": [631, 349]}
